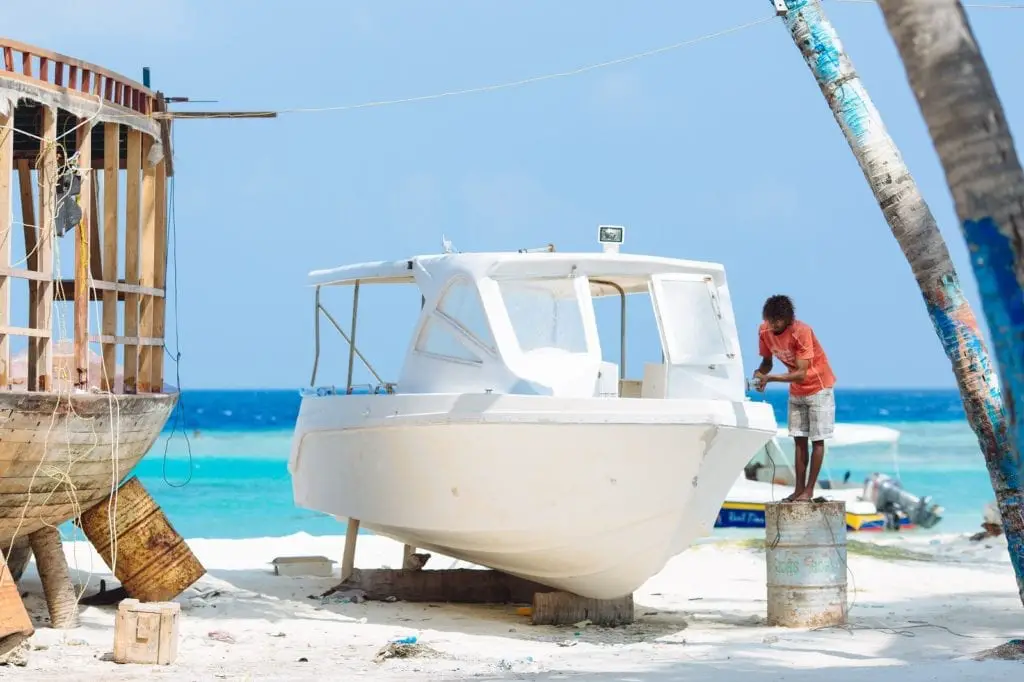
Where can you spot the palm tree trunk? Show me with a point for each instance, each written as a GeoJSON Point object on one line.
{"type": "Point", "coordinates": [918, 235]}
{"type": "Point", "coordinates": [954, 89]}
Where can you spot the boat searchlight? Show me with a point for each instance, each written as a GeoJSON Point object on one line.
{"type": "Point", "coordinates": [611, 237]}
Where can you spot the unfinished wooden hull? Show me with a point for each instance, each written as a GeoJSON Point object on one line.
{"type": "Point", "coordinates": [61, 453]}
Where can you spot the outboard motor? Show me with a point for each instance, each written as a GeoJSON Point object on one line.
{"type": "Point", "coordinates": [890, 499]}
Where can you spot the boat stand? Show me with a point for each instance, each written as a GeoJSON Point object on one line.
{"type": "Point", "coordinates": [472, 586]}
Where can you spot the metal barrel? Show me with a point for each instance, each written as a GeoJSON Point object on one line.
{"type": "Point", "coordinates": [805, 553]}
{"type": "Point", "coordinates": [152, 562]}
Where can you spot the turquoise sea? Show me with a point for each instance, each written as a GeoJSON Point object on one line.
{"type": "Point", "coordinates": [220, 468]}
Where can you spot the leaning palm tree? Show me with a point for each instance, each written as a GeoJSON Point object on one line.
{"type": "Point", "coordinates": [954, 89]}
{"type": "Point", "coordinates": [917, 233]}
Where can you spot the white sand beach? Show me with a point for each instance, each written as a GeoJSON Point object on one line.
{"type": "Point", "coordinates": [922, 608]}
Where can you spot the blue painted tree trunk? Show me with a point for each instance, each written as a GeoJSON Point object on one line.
{"type": "Point", "coordinates": [917, 233]}
{"type": "Point", "coordinates": [965, 118]}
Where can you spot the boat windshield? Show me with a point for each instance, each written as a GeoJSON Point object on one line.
{"type": "Point", "coordinates": [545, 314]}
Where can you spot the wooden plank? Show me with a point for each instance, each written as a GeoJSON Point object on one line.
{"type": "Point", "coordinates": [160, 273]}
{"type": "Point", "coordinates": [25, 331]}
{"type": "Point", "coordinates": [20, 273]}
{"type": "Point", "coordinates": [124, 340]}
{"type": "Point", "coordinates": [82, 253]}
{"type": "Point", "coordinates": [147, 267]}
{"type": "Point", "coordinates": [454, 585]}
{"type": "Point", "coordinates": [6, 225]}
{"type": "Point", "coordinates": [28, 220]}
{"type": "Point", "coordinates": [101, 285]}
{"type": "Point", "coordinates": [46, 178]}
{"type": "Point", "coordinates": [95, 240]}
{"type": "Point", "coordinates": [111, 155]}
{"type": "Point", "coordinates": [131, 257]}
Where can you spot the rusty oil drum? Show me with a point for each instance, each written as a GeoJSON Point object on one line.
{"type": "Point", "coordinates": [805, 553]}
{"type": "Point", "coordinates": [153, 562]}
{"type": "Point", "coordinates": [15, 624]}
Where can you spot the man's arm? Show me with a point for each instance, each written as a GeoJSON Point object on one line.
{"type": "Point", "coordinates": [804, 351]}
{"type": "Point", "coordinates": [766, 356]}
{"type": "Point", "coordinates": [797, 375]}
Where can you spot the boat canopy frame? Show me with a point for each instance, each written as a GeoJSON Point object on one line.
{"type": "Point", "coordinates": [635, 280]}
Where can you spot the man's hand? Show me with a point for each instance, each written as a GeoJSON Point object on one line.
{"type": "Point", "coordinates": [760, 381]}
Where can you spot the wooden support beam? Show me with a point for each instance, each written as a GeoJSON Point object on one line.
{"type": "Point", "coordinates": [111, 154]}
{"type": "Point", "coordinates": [25, 331]}
{"type": "Point", "coordinates": [31, 232]}
{"type": "Point", "coordinates": [53, 574]}
{"type": "Point", "coordinates": [159, 274]}
{"type": "Point", "coordinates": [147, 254]}
{"type": "Point", "coordinates": [348, 558]}
{"type": "Point", "coordinates": [95, 240]}
{"type": "Point", "coordinates": [46, 178]}
{"type": "Point", "coordinates": [6, 236]}
{"type": "Point", "coordinates": [82, 253]}
{"type": "Point", "coordinates": [131, 257]}
{"type": "Point", "coordinates": [408, 560]}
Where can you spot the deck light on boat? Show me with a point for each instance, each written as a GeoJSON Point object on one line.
{"type": "Point", "coordinates": [611, 237]}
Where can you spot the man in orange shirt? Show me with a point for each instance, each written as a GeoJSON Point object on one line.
{"type": "Point", "coordinates": [812, 405]}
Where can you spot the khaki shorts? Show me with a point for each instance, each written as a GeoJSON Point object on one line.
{"type": "Point", "coordinates": [813, 416]}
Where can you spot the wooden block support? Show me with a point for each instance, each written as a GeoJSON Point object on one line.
{"type": "Point", "coordinates": [562, 608]}
{"type": "Point", "coordinates": [146, 633]}
{"type": "Point", "coordinates": [53, 573]}
{"type": "Point", "coordinates": [15, 624]}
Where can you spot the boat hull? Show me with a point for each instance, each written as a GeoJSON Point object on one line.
{"type": "Point", "coordinates": [576, 494]}
{"type": "Point", "coordinates": [61, 453]}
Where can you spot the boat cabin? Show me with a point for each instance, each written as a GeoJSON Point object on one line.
{"type": "Point", "coordinates": [524, 323]}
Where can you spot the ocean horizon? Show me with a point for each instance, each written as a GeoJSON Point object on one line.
{"type": "Point", "coordinates": [219, 469]}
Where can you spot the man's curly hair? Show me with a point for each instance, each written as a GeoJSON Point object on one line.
{"type": "Point", "coordinates": [779, 307]}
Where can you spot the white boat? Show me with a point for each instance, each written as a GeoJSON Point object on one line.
{"type": "Point", "coordinates": [879, 503]}
{"type": "Point", "coordinates": [508, 442]}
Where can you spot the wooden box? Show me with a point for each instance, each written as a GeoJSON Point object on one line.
{"type": "Point", "coordinates": [146, 633]}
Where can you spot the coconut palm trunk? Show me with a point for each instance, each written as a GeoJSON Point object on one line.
{"type": "Point", "coordinates": [954, 89]}
{"type": "Point", "coordinates": [917, 233]}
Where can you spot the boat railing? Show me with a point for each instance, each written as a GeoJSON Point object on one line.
{"type": "Point", "coordinates": [33, 64]}
{"type": "Point", "coordinates": [349, 339]}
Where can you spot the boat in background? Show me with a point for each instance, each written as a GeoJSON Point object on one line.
{"type": "Point", "coordinates": [510, 443]}
{"type": "Point", "coordinates": [880, 503]}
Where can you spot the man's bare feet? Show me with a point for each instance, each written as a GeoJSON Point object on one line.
{"type": "Point", "coordinates": [792, 497]}
{"type": "Point", "coordinates": [803, 496]}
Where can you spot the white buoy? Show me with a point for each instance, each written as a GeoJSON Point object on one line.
{"type": "Point", "coordinates": [805, 553]}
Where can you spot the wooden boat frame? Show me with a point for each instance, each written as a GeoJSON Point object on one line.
{"type": "Point", "coordinates": [68, 436]}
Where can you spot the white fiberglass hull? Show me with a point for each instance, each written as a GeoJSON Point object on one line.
{"type": "Point", "coordinates": [592, 496]}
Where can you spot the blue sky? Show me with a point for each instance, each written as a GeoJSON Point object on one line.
{"type": "Point", "coordinates": [721, 151]}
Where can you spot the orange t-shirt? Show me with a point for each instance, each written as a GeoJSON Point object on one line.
{"type": "Point", "coordinates": [798, 342]}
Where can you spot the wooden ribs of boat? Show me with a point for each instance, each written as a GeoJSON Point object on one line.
{"type": "Point", "coordinates": [74, 422]}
